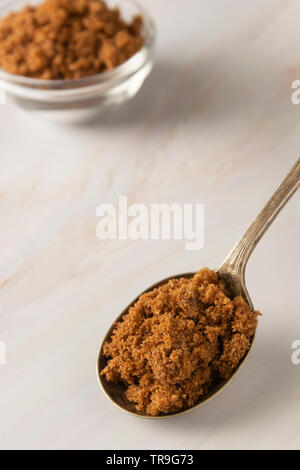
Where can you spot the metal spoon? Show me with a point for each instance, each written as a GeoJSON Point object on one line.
{"type": "Point", "coordinates": [233, 272]}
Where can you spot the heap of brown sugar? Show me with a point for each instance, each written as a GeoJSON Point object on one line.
{"type": "Point", "coordinates": [178, 341]}
{"type": "Point", "coordinates": [67, 39]}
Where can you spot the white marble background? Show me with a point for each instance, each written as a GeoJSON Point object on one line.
{"type": "Point", "coordinates": [213, 124]}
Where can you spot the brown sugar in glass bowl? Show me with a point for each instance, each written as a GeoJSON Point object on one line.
{"type": "Point", "coordinates": [91, 59]}
{"type": "Point", "coordinates": [67, 39]}
{"type": "Point", "coordinates": [177, 342]}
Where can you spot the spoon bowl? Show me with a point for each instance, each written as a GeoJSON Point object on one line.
{"type": "Point", "coordinates": [116, 391]}
{"type": "Point", "coordinates": [232, 271]}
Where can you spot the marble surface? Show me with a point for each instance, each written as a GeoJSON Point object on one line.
{"type": "Point", "coordinates": [213, 124]}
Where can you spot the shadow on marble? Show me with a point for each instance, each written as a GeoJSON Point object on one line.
{"type": "Point", "coordinates": [207, 89]}
{"type": "Point", "coordinates": [210, 89]}
{"type": "Point", "coordinates": [248, 399]}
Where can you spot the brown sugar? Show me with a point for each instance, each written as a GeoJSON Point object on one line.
{"type": "Point", "coordinates": [178, 341]}
{"type": "Point", "coordinates": [67, 39]}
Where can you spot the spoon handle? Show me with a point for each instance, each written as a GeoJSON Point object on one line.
{"type": "Point", "coordinates": [237, 259]}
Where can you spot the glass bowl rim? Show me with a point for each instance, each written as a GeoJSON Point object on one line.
{"type": "Point", "coordinates": [92, 79]}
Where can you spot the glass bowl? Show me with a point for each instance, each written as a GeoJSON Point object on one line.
{"type": "Point", "coordinates": [113, 87]}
